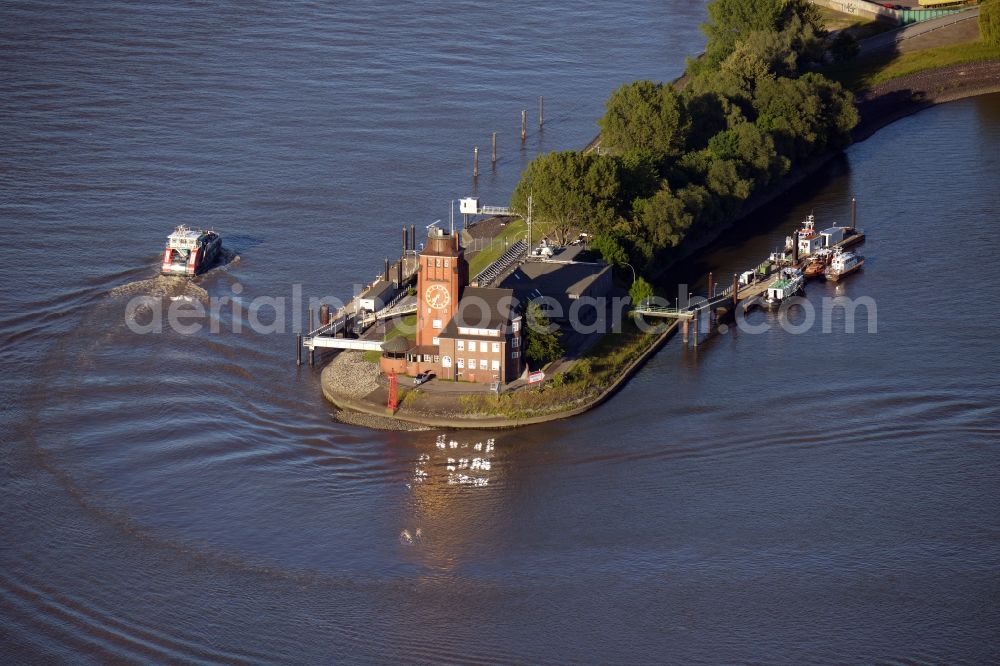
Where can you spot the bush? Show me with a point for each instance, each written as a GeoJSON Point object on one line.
{"type": "Point", "coordinates": [989, 21]}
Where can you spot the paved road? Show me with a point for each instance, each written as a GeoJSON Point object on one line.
{"type": "Point", "coordinates": [919, 35]}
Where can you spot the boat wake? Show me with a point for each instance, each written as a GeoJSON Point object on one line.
{"type": "Point", "coordinates": [162, 286]}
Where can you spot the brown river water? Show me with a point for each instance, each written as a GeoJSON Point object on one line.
{"type": "Point", "coordinates": [790, 495]}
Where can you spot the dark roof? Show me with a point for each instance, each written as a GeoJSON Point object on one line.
{"type": "Point", "coordinates": [553, 278]}
{"type": "Point", "coordinates": [397, 345]}
{"type": "Point", "coordinates": [482, 307]}
{"type": "Point", "coordinates": [377, 290]}
{"type": "Point", "coordinates": [426, 350]}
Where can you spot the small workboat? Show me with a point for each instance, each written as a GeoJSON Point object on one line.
{"type": "Point", "coordinates": [789, 282]}
{"type": "Point", "coordinates": [843, 263]}
{"type": "Point", "coordinates": [190, 251]}
{"type": "Point", "coordinates": [818, 263]}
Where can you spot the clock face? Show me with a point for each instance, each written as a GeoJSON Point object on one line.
{"type": "Point", "coordinates": [437, 296]}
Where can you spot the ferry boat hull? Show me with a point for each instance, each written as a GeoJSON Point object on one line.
{"type": "Point", "coordinates": [834, 275]}
{"type": "Point", "coordinates": [190, 252]}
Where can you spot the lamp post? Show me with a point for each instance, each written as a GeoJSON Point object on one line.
{"type": "Point", "coordinates": [633, 270]}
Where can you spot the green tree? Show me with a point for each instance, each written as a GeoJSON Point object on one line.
{"type": "Point", "coordinates": [660, 221]}
{"type": "Point", "coordinates": [640, 292]}
{"type": "Point", "coordinates": [796, 24]}
{"type": "Point", "coordinates": [645, 116]}
{"type": "Point", "coordinates": [544, 342]}
{"type": "Point", "coordinates": [610, 249]}
{"type": "Point", "coordinates": [753, 149]}
{"type": "Point", "coordinates": [806, 115]}
{"type": "Point", "coordinates": [989, 21]}
{"type": "Point", "coordinates": [570, 191]}
{"type": "Point", "coordinates": [844, 46]}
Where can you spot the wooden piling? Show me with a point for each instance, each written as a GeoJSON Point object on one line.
{"type": "Point", "coordinates": [413, 237]}
{"type": "Point", "coordinates": [736, 291]}
{"type": "Point", "coordinates": [312, 358]}
{"type": "Point", "coordinates": [795, 247]}
{"type": "Point", "coordinates": [404, 239]}
{"type": "Point", "coordinates": [684, 330]}
{"type": "Point", "coordinates": [524, 125]}
{"type": "Point", "coordinates": [541, 111]}
{"type": "Point", "coordinates": [854, 213]}
{"type": "Point", "coordinates": [475, 162]}
{"type": "Point", "coordinates": [385, 275]}
{"type": "Point", "coordinates": [711, 286]}
{"type": "Point", "coordinates": [298, 350]}
{"type": "Point", "coordinates": [493, 159]}
{"type": "Point", "coordinates": [694, 332]}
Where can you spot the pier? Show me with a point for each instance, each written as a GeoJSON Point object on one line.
{"type": "Point", "coordinates": [386, 297]}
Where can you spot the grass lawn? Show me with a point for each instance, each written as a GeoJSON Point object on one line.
{"type": "Point", "coordinates": [590, 375]}
{"type": "Point", "coordinates": [403, 326]}
{"type": "Point", "coordinates": [492, 252]}
{"type": "Point", "coordinates": [860, 74]}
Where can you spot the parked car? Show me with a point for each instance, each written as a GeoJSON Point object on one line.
{"type": "Point", "coordinates": [423, 378]}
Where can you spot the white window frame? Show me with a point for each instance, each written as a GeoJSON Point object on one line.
{"type": "Point", "coordinates": [472, 345]}
{"type": "Point", "coordinates": [496, 347]}
{"type": "Point", "coordinates": [460, 345]}
{"type": "Point", "coordinates": [484, 364]}
{"type": "Point", "coordinates": [460, 362]}
{"type": "Point", "coordinates": [495, 365]}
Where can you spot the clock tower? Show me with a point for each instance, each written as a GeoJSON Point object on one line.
{"type": "Point", "coordinates": [442, 276]}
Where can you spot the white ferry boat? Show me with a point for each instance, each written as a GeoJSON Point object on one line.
{"type": "Point", "coordinates": [789, 282]}
{"type": "Point", "coordinates": [843, 263]}
{"type": "Point", "coordinates": [190, 251]}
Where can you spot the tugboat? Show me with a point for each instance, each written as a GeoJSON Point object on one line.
{"type": "Point", "coordinates": [788, 283]}
{"type": "Point", "coordinates": [843, 263]}
{"type": "Point", "coordinates": [190, 251]}
{"type": "Point", "coordinates": [818, 263]}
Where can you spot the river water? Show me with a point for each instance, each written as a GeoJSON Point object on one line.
{"type": "Point", "coordinates": [775, 497]}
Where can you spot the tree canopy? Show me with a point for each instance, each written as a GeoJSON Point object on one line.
{"type": "Point", "coordinates": [569, 190]}
{"type": "Point", "coordinates": [989, 21]}
{"type": "Point", "coordinates": [544, 343]}
{"type": "Point", "coordinates": [678, 162]}
{"type": "Point", "coordinates": [645, 116]}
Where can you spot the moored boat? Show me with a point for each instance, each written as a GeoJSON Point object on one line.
{"type": "Point", "coordinates": [190, 251]}
{"type": "Point", "coordinates": [818, 263]}
{"type": "Point", "coordinates": [789, 282]}
{"type": "Point", "coordinates": [843, 263]}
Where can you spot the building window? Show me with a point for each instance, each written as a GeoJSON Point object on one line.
{"type": "Point", "coordinates": [516, 342]}
{"type": "Point", "coordinates": [435, 341]}
{"type": "Point", "coordinates": [446, 263]}
{"type": "Point", "coordinates": [437, 358]}
{"type": "Point", "coordinates": [472, 364]}
{"type": "Point", "coordinates": [436, 323]}
{"type": "Point", "coordinates": [515, 354]}
{"type": "Point", "coordinates": [472, 345]}
{"type": "Point", "coordinates": [460, 345]}
{"type": "Point", "coordinates": [517, 326]}
{"type": "Point", "coordinates": [460, 362]}
{"type": "Point", "coordinates": [446, 361]}
{"type": "Point", "coordinates": [483, 364]}
{"type": "Point", "coordinates": [495, 365]}
{"type": "Point", "coordinates": [496, 347]}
